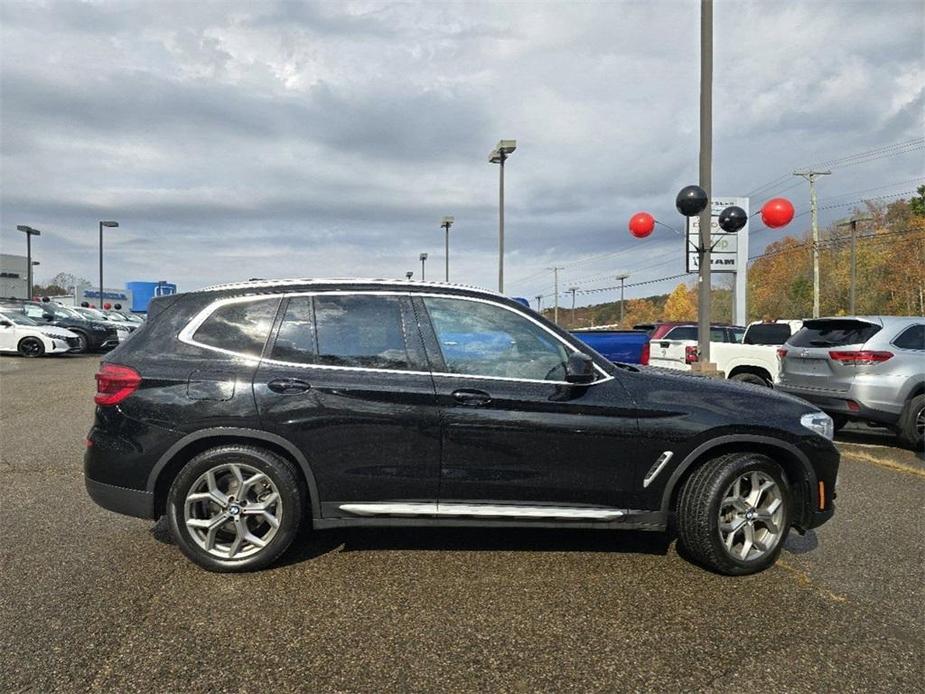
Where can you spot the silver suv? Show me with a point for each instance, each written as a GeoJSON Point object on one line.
{"type": "Point", "coordinates": [865, 368]}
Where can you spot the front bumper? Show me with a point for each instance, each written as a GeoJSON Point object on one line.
{"type": "Point", "coordinates": [130, 502]}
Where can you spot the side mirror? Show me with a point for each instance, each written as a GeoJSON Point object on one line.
{"type": "Point", "coordinates": [579, 368]}
{"type": "Point", "coordinates": [6, 324]}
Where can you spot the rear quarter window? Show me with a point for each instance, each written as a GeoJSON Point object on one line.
{"type": "Point", "coordinates": [240, 327]}
{"type": "Point", "coordinates": [834, 332]}
{"type": "Point", "coordinates": [767, 334]}
{"type": "Point", "coordinates": [912, 337]}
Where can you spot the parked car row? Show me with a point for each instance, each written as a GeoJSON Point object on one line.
{"type": "Point", "coordinates": [35, 328]}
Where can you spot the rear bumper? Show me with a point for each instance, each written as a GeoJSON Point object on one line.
{"type": "Point", "coordinates": [130, 502]}
{"type": "Point", "coordinates": [833, 405]}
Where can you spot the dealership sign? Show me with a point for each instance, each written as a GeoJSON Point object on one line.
{"type": "Point", "coordinates": [730, 250]}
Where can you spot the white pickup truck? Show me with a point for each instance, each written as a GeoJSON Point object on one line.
{"type": "Point", "coordinates": [743, 354]}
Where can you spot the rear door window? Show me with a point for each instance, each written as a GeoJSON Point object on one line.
{"type": "Point", "coordinates": [767, 334]}
{"type": "Point", "coordinates": [241, 327]}
{"type": "Point", "coordinates": [912, 337]}
{"type": "Point", "coordinates": [685, 332]}
{"type": "Point", "coordinates": [361, 331]}
{"type": "Point", "coordinates": [834, 332]}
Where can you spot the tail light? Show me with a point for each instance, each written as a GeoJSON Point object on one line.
{"type": "Point", "coordinates": [781, 352]}
{"type": "Point", "coordinates": [644, 357]}
{"type": "Point", "coordinates": [690, 354]}
{"type": "Point", "coordinates": [114, 383]}
{"type": "Point", "coordinates": [860, 357]}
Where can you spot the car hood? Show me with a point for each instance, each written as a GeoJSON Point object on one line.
{"type": "Point", "coordinates": [737, 398]}
{"type": "Point", "coordinates": [53, 331]}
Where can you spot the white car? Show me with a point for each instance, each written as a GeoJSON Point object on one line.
{"type": "Point", "coordinates": [21, 334]}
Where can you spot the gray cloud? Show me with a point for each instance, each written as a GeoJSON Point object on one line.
{"type": "Point", "coordinates": [289, 138]}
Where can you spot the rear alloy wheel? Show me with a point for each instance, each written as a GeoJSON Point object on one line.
{"type": "Point", "coordinates": [912, 423]}
{"type": "Point", "coordinates": [734, 513]}
{"type": "Point", "coordinates": [235, 508]}
{"type": "Point", "coordinates": [31, 347]}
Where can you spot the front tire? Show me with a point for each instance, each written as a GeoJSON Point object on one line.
{"type": "Point", "coordinates": [82, 341]}
{"type": "Point", "coordinates": [235, 508]}
{"type": "Point", "coordinates": [31, 347]}
{"type": "Point", "coordinates": [734, 513]}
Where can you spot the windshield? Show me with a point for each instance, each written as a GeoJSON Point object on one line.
{"type": "Point", "coordinates": [17, 318]}
{"type": "Point", "coordinates": [66, 312]}
{"type": "Point", "coordinates": [90, 313]}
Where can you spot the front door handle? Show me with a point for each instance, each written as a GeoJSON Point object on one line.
{"type": "Point", "coordinates": [472, 398]}
{"type": "Point", "coordinates": [288, 386]}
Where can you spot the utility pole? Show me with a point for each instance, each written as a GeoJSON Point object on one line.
{"type": "Point", "coordinates": [555, 273]}
{"type": "Point", "coordinates": [573, 290]}
{"type": "Point", "coordinates": [853, 223]}
{"type": "Point", "coordinates": [810, 176]}
{"type": "Point", "coordinates": [622, 279]}
{"type": "Point", "coordinates": [706, 175]}
{"type": "Point", "coordinates": [539, 303]}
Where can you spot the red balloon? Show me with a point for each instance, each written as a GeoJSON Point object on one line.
{"type": "Point", "coordinates": [641, 224]}
{"type": "Point", "coordinates": [777, 212]}
{"type": "Point", "coordinates": [107, 306]}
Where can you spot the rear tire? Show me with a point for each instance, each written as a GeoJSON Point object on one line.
{"type": "Point", "coordinates": [31, 347]}
{"type": "Point", "coordinates": [912, 423]}
{"type": "Point", "coordinates": [235, 508]}
{"type": "Point", "coordinates": [734, 514]}
{"type": "Point", "coordinates": [754, 379]}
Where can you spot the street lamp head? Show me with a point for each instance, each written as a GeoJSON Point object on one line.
{"type": "Point", "coordinates": [623, 276]}
{"type": "Point", "coordinates": [506, 146]}
{"type": "Point", "coordinates": [447, 222]}
{"type": "Point", "coordinates": [35, 262]}
{"type": "Point", "coordinates": [422, 257]}
{"type": "Point", "coordinates": [494, 157]}
{"type": "Point", "coordinates": [29, 230]}
{"type": "Point", "coordinates": [409, 274]}
{"type": "Point", "coordinates": [109, 224]}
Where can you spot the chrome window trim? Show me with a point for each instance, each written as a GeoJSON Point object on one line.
{"type": "Point", "coordinates": [456, 509]}
{"type": "Point", "coordinates": [186, 334]}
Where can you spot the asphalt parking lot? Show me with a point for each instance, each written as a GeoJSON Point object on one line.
{"type": "Point", "coordinates": [93, 601]}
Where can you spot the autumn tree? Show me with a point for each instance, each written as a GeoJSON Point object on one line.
{"type": "Point", "coordinates": [681, 304]}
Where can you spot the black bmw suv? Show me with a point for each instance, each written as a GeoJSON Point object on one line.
{"type": "Point", "coordinates": [244, 411]}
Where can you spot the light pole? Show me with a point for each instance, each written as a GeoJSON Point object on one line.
{"type": "Point", "coordinates": [29, 232]}
{"type": "Point", "coordinates": [103, 224]}
{"type": "Point", "coordinates": [853, 223]}
{"type": "Point", "coordinates": [499, 155]}
{"type": "Point", "coordinates": [446, 224]}
{"type": "Point", "coordinates": [423, 259]}
{"type": "Point", "coordinates": [409, 274]}
{"type": "Point", "coordinates": [622, 279]}
{"type": "Point", "coordinates": [539, 303]}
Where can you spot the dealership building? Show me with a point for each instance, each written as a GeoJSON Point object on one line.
{"type": "Point", "coordinates": [135, 296]}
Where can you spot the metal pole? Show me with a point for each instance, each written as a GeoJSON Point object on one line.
{"type": "Point", "coordinates": [706, 170]}
{"type": "Point", "coordinates": [555, 311]}
{"type": "Point", "coordinates": [101, 267]}
{"type": "Point", "coordinates": [573, 290]}
{"type": "Point", "coordinates": [423, 260]}
{"type": "Point", "coordinates": [539, 303]}
{"type": "Point", "coordinates": [447, 227]}
{"type": "Point", "coordinates": [854, 260]}
{"type": "Point", "coordinates": [29, 261]}
{"type": "Point", "coordinates": [501, 226]}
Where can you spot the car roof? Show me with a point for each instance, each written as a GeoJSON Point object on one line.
{"type": "Point", "coordinates": [296, 284]}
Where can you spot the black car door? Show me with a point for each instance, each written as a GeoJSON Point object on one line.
{"type": "Point", "coordinates": [515, 432]}
{"type": "Point", "coordinates": [346, 380]}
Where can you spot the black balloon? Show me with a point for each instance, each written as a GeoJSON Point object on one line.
{"type": "Point", "coordinates": [117, 306]}
{"type": "Point", "coordinates": [732, 218]}
{"type": "Point", "coordinates": [691, 201]}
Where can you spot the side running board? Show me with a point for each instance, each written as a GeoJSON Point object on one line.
{"type": "Point", "coordinates": [483, 511]}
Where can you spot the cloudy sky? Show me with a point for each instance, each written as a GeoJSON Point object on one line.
{"type": "Point", "coordinates": [286, 139]}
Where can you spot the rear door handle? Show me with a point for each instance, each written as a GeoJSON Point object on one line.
{"type": "Point", "coordinates": [472, 398]}
{"type": "Point", "coordinates": [288, 386]}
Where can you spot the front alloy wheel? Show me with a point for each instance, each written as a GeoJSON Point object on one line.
{"type": "Point", "coordinates": [750, 516]}
{"type": "Point", "coordinates": [235, 507]}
